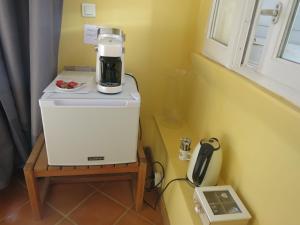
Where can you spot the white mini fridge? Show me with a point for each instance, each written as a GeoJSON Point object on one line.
{"type": "Point", "coordinates": [86, 127]}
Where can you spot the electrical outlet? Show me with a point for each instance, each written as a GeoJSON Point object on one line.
{"type": "Point", "coordinates": [88, 10]}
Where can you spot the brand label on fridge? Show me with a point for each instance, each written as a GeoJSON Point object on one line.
{"type": "Point", "coordinates": [95, 158]}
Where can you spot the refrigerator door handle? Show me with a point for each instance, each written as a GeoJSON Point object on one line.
{"type": "Point", "coordinates": [85, 103]}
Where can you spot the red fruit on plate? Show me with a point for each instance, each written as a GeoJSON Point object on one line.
{"type": "Point", "coordinates": [72, 84]}
{"type": "Point", "coordinates": [60, 83]}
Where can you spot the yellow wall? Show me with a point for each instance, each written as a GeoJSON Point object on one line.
{"type": "Point", "coordinates": [158, 44]}
{"type": "Point", "coordinates": [259, 132]}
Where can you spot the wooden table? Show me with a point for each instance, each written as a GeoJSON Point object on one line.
{"type": "Point", "coordinates": [38, 175]}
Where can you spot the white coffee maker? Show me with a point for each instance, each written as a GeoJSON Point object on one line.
{"type": "Point", "coordinates": [110, 60]}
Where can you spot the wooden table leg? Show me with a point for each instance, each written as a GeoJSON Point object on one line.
{"type": "Point", "coordinates": [43, 189]}
{"type": "Point", "coordinates": [31, 180]}
{"type": "Point", "coordinates": [140, 185]}
{"type": "Point", "coordinates": [33, 192]}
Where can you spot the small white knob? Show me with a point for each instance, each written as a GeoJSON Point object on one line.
{"type": "Point", "coordinates": [197, 208]}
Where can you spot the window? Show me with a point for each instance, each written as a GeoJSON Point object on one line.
{"type": "Point", "coordinates": [222, 29]}
{"type": "Point", "coordinates": [222, 21]}
{"type": "Point", "coordinates": [259, 39]}
{"type": "Point", "coordinates": [291, 46]}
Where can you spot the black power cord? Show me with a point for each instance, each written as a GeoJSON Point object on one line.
{"type": "Point", "coordinates": [149, 189]}
{"type": "Point", "coordinates": [163, 174]}
{"type": "Point", "coordinates": [157, 162]}
{"type": "Point", "coordinates": [165, 188]}
{"type": "Point", "coordinates": [135, 80]}
{"type": "Point", "coordinates": [137, 87]}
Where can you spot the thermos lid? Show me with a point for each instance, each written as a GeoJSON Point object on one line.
{"type": "Point", "coordinates": [214, 142]}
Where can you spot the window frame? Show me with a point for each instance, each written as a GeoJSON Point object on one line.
{"type": "Point", "coordinates": [211, 46]}
{"type": "Point", "coordinates": [231, 57]}
{"type": "Point", "coordinates": [274, 66]}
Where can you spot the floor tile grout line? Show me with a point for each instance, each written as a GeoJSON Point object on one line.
{"type": "Point", "coordinates": [17, 208]}
{"type": "Point", "coordinates": [112, 198]}
{"type": "Point", "coordinates": [59, 212]}
{"type": "Point", "coordinates": [25, 203]}
{"type": "Point", "coordinates": [65, 218]}
{"type": "Point", "coordinates": [137, 214]}
{"type": "Point", "coordinates": [92, 186]}
{"type": "Point", "coordinates": [126, 207]}
{"type": "Point", "coordinates": [142, 216]}
{"type": "Point", "coordinates": [80, 203]}
{"type": "Point", "coordinates": [115, 200]}
{"type": "Point", "coordinates": [66, 215]}
{"type": "Point", "coordinates": [71, 221]}
{"type": "Point", "coordinates": [60, 220]}
{"type": "Point", "coordinates": [146, 219]}
{"type": "Point", "coordinates": [121, 216]}
{"type": "Point", "coordinates": [55, 209]}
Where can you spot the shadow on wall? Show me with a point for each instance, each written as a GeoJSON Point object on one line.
{"type": "Point", "coordinates": [158, 148]}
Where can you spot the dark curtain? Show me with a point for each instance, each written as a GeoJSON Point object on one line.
{"type": "Point", "coordinates": [29, 40]}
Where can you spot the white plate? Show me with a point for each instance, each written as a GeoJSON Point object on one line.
{"type": "Point", "coordinates": [71, 89]}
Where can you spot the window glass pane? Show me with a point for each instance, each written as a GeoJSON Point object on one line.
{"type": "Point", "coordinates": [261, 32]}
{"type": "Point", "coordinates": [291, 50]}
{"type": "Point", "coordinates": [224, 15]}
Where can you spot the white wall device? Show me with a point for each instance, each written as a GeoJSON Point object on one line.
{"type": "Point", "coordinates": [88, 9]}
{"type": "Point", "coordinates": [220, 205]}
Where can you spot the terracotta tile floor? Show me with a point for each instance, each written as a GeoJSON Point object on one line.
{"type": "Point", "coordinates": [105, 203]}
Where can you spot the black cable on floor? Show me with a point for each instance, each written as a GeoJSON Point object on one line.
{"type": "Point", "coordinates": [165, 188]}
{"type": "Point", "coordinates": [162, 177]}
{"type": "Point", "coordinates": [156, 162]}
{"type": "Point", "coordinates": [163, 173]}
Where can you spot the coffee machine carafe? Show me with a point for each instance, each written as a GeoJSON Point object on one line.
{"type": "Point", "coordinates": [110, 60]}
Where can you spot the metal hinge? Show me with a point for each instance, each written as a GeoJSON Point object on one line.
{"type": "Point", "coordinates": [275, 13]}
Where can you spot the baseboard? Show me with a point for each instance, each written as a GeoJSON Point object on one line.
{"type": "Point", "coordinates": [164, 212]}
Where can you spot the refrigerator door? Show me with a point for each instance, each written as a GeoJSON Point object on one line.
{"type": "Point", "coordinates": [90, 133]}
